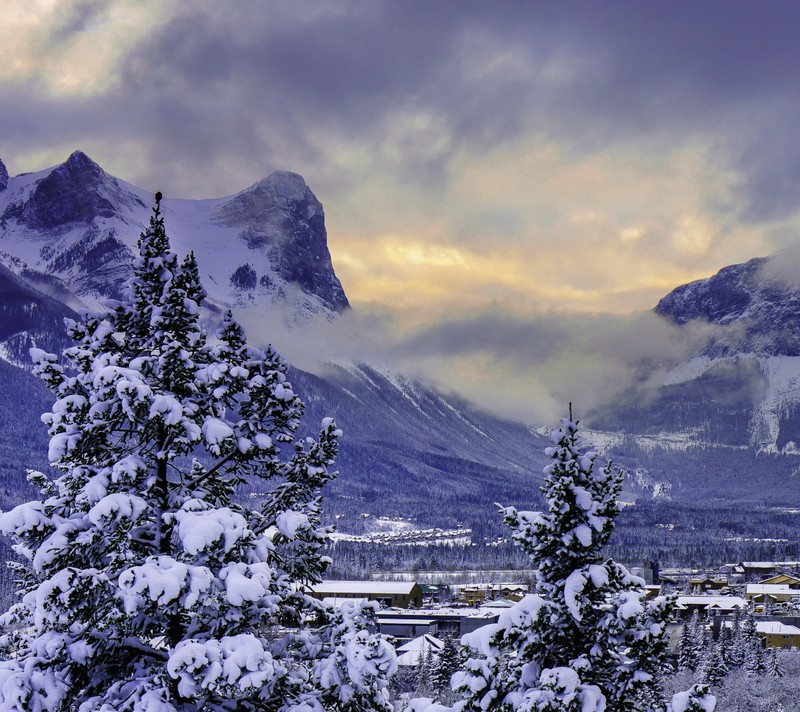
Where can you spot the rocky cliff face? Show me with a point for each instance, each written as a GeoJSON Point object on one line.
{"type": "Point", "coordinates": [282, 217]}
{"type": "Point", "coordinates": [3, 177]}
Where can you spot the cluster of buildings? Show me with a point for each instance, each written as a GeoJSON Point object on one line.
{"type": "Point", "coordinates": [420, 615]}
{"type": "Point", "coordinates": [768, 589]}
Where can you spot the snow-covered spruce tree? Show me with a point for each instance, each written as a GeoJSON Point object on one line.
{"type": "Point", "coordinates": [585, 640]}
{"type": "Point", "coordinates": [446, 664]}
{"type": "Point", "coordinates": [147, 584]}
{"type": "Point", "coordinates": [773, 664]}
{"type": "Point", "coordinates": [713, 668]}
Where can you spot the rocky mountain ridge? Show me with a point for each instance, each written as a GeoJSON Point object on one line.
{"type": "Point", "coordinates": [760, 309]}
{"type": "Point", "coordinates": [266, 245]}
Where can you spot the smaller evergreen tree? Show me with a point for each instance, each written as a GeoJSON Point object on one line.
{"type": "Point", "coordinates": [773, 664]}
{"type": "Point", "coordinates": [425, 668]}
{"type": "Point", "coordinates": [713, 669]}
{"type": "Point", "coordinates": [586, 640]}
{"type": "Point", "coordinates": [754, 659]}
{"type": "Point", "coordinates": [445, 665]}
{"type": "Point", "coordinates": [690, 644]}
{"type": "Point", "coordinates": [736, 648]}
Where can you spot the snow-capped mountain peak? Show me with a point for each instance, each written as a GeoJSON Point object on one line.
{"type": "Point", "coordinates": [264, 246]}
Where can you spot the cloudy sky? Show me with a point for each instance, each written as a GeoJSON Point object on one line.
{"type": "Point", "coordinates": [479, 162]}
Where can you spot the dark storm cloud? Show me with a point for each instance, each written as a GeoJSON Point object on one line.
{"type": "Point", "coordinates": [530, 340]}
{"type": "Point", "coordinates": [251, 83]}
{"type": "Point", "coordinates": [496, 332]}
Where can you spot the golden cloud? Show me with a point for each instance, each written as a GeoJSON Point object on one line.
{"type": "Point", "coordinates": [531, 227]}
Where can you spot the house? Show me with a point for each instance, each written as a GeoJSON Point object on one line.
{"type": "Point", "coordinates": [791, 581]}
{"type": "Point", "coordinates": [473, 595]}
{"type": "Point", "coordinates": [449, 621]}
{"type": "Point", "coordinates": [407, 627]}
{"type": "Point", "coordinates": [757, 570]}
{"type": "Point", "coordinates": [706, 583]}
{"type": "Point", "coordinates": [652, 591]}
{"type": "Point", "coordinates": [432, 593]}
{"type": "Point", "coordinates": [394, 594]}
{"type": "Point", "coordinates": [776, 634]}
{"type": "Point", "coordinates": [476, 593]}
{"type": "Point", "coordinates": [770, 593]}
{"type": "Point", "coordinates": [510, 591]}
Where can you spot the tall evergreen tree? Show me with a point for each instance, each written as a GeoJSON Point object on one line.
{"type": "Point", "coordinates": [690, 645]}
{"type": "Point", "coordinates": [753, 649]}
{"type": "Point", "coordinates": [713, 668]}
{"type": "Point", "coordinates": [585, 640]}
{"type": "Point", "coordinates": [148, 586]}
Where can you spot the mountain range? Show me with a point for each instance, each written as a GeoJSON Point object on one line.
{"type": "Point", "coordinates": [67, 239]}
{"type": "Point", "coordinates": [724, 425]}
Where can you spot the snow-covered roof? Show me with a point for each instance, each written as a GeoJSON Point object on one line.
{"type": "Point", "coordinates": [787, 577]}
{"type": "Point", "coordinates": [499, 603]}
{"type": "Point", "coordinates": [478, 586]}
{"type": "Point", "coordinates": [776, 628]}
{"type": "Point", "coordinates": [421, 642]}
{"type": "Point", "coordinates": [388, 588]}
{"type": "Point", "coordinates": [771, 628]}
{"type": "Point", "coordinates": [413, 652]}
{"type": "Point", "coordinates": [405, 621]}
{"type": "Point", "coordinates": [722, 602]}
{"type": "Point", "coordinates": [337, 601]}
{"type": "Point", "coordinates": [770, 588]}
{"type": "Point", "coordinates": [769, 564]}
{"type": "Point", "coordinates": [439, 612]}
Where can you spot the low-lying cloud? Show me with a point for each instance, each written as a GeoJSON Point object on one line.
{"type": "Point", "coordinates": [523, 367]}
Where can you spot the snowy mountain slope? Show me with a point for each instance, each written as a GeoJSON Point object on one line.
{"type": "Point", "coordinates": [759, 344]}
{"type": "Point", "coordinates": [740, 393]}
{"type": "Point", "coordinates": [29, 317]}
{"type": "Point", "coordinates": [266, 245]}
{"type": "Point", "coordinates": [409, 450]}
{"type": "Point", "coordinates": [431, 457]}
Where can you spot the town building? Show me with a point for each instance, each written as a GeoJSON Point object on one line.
{"type": "Point", "coordinates": [391, 594]}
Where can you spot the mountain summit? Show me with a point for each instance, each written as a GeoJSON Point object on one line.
{"type": "Point", "coordinates": [281, 216]}
{"type": "Point", "coordinates": [265, 246]}
{"type": "Point", "coordinates": [76, 192]}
